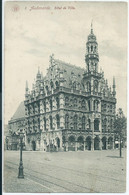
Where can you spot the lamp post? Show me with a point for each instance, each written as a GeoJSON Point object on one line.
{"type": "Point", "coordinates": [20, 173]}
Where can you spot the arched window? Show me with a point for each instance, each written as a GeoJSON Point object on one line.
{"type": "Point", "coordinates": [111, 124]}
{"type": "Point", "coordinates": [105, 108]}
{"type": "Point", "coordinates": [110, 108]}
{"type": "Point", "coordinates": [88, 86]}
{"type": "Point", "coordinates": [96, 103]}
{"type": "Point", "coordinates": [66, 101]}
{"type": "Point", "coordinates": [83, 122]}
{"type": "Point", "coordinates": [104, 94]}
{"type": "Point", "coordinates": [105, 124]}
{"type": "Point", "coordinates": [75, 122]}
{"type": "Point", "coordinates": [95, 86]}
{"type": "Point", "coordinates": [89, 104]}
{"type": "Point", "coordinates": [57, 84]}
{"type": "Point", "coordinates": [89, 124]}
{"type": "Point", "coordinates": [44, 123]}
{"type": "Point", "coordinates": [74, 85]}
{"type": "Point", "coordinates": [57, 103]}
{"type": "Point", "coordinates": [91, 48]}
{"type": "Point", "coordinates": [51, 83]}
{"type": "Point", "coordinates": [66, 121]}
{"type": "Point", "coordinates": [75, 102]}
{"type": "Point", "coordinates": [83, 104]}
{"type": "Point", "coordinates": [58, 121]}
{"type": "Point", "coordinates": [51, 105]}
{"type": "Point", "coordinates": [96, 125]}
{"type": "Point", "coordinates": [44, 106]}
{"type": "Point", "coordinates": [51, 123]}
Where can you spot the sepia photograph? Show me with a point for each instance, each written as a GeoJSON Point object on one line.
{"type": "Point", "coordinates": [65, 97]}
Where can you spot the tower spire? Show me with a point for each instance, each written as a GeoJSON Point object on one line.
{"type": "Point", "coordinates": [92, 26]}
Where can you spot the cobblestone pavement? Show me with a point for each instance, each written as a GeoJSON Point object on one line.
{"type": "Point", "coordinates": [88, 171]}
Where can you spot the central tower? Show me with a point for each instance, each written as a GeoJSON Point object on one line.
{"type": "Point", "coordinates": [92, 57]}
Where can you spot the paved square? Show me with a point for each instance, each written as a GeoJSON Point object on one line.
{"type": "Point", "coordinates": [88, 171]}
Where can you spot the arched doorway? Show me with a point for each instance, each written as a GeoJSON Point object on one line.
{"type": "Point", "coordinates": [63, 143]}
{"type": "Point", "coordinates": [58, 142]}
{"type": "Point", "coordinates": [71, 143]}
{"type": "Point", "coordinates": [88, 143]}
{"type": "Point", "coordinates": [33, 145]}
{"type": "Point", "coordinates": [80, 143]}
{"type": "Point", "coordinates": [96, 143]}
{"type": "Point", "coordinates": [110, 143]}
{"type": "Point", "coordinates": [104, 143]}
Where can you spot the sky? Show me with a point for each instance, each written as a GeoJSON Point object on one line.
{"type": "Point", "coordinates": [35, 30]}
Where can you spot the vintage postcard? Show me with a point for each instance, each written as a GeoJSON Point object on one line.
{"type": "Point", "coordinates": [65, 105]}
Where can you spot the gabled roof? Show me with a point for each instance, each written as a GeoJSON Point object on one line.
{"type": "Point", "coordinates": [20, 112]}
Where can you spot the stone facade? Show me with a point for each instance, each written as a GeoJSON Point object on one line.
{"type": "Point", "coordinates": [71, 108]}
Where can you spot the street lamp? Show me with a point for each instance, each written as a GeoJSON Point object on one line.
{"type": "Point", "coordinates": [20, 173]}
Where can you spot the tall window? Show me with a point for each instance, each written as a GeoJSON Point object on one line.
{"type": "Point", "coordinates": [110, 108]}
{"type": "Point", "coordinates": [57, 84]}
{"type": "Point", "coordinates": [75, 122]}
{"type": "Point", "coordinates": [89, 104]}
{"type": "Point", "coordinates": [57, 103]}
{"type": "Point", "coordinates": [75, 102]}
{"type": "Point", "coordinates": [58, 121]}
{"type": "Point", "coordinates": [83, 122]}
{"type": "Point", "coordinates": [51, 106]}
{"type": "Point", "coordinates": [66, 121]}
{"type": "Point", "coordinates": [45, 123]}
{"type": "Point", "coordinates": [95, 86]}
{"type": "Point", "coordinates": [104, 93]}
{"type": "Point", "coordinates": [83, 104]}
{"type": "Point", "coordinates": [105, 124]}
{"type": "Point", "coordinates": [96, 105]}
{"type": "Point", "coordinates": [91, 48]}
{"type": "Point", "coordinates": [111, 124]}
{"type": "Point", "coordinates": [44, 106]}
{"type": "Point", "coordinates": [89, 124]}
{"type": "Point", "coordinates": [104, 108]}
{"type": "Point", "coordinates": [96, 125]}
{"type": "Point", "coordinates": [74, 85]}
{"type": "Point", "coordinates": [51, 123]}
{"type": "Point", "coordinates": [66, 101]}
{"type": "Point", "coordinates": [88, 86]}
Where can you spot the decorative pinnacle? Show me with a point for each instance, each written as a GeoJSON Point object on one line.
{"type": "Point", "coordinates": [26, 84]}
{"type": "Point", "coordinates": [114, 82]}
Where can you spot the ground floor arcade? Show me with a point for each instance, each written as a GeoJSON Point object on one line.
{"type": "Point", "coordinates": [57, 141]}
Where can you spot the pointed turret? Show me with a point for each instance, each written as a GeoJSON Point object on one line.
{"type": "Point", "coordinates": [26, 90]}
{"type": "Point", "coordinates": [114, 87]}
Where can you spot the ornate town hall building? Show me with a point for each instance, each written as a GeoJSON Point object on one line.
{"type": "Point", "coordinates": [71, 108]}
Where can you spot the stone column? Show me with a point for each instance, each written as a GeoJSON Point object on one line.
{"type": "Point", "coordinates": [61, 101]}
{"type": "Point", "coordinates": [100, 144]}
{"type": "Point", "coordinates": [75, 145]}
{"type": "Point", "coordinates": [92, 144]}
{"type": "Point", "coordinates": [92, 128]}
{"type": "Point", "coordinates": [113, 143]}
{"type": "Point", "coordinates": [84, 145]}
{"type": "Point", "coordinates": [66, 144]}
{"type": "Point", "coordinates": [106, 144]}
